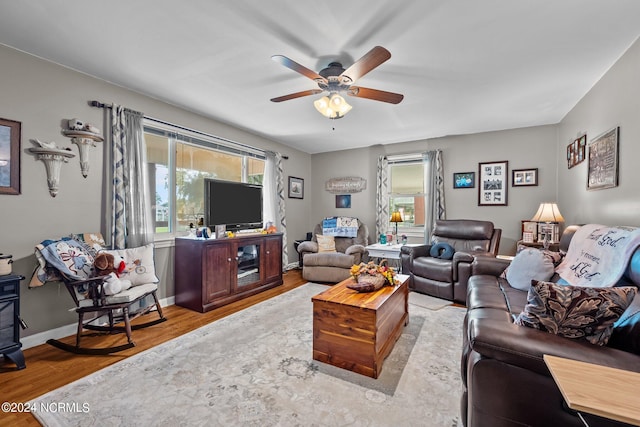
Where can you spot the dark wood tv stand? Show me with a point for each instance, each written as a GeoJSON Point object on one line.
{"type": "Point", "coordinates": [210, 273]}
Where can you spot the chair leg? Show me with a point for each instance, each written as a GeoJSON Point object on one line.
{"type": "Point", "coordinates": [127, 324]}
{"type": "Point", "coordinates": [80, 325]}
{"type": "Point", "coordinates": [155, 298]}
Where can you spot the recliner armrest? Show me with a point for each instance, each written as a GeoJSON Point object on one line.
{"type": "Point", "coordinates": [355, 249]}
{"type": "Point", "coordinates": [308, 246]}
{"type": "Point", "coordinates": [415, 251]}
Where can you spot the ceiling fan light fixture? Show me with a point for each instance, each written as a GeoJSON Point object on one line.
{"type": "Point", "coordinates": [334, 107]}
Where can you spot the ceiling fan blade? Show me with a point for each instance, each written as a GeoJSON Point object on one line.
{"type": "Point", "coordinates": [375, 94]}
{"type": "Point", "coordinates": [362, 66]}
{"type": "Point", "coordinates": [289, 63]}
{"type": "Point", "coordinates": [296, 95]}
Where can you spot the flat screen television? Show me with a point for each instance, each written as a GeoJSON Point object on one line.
{"type": "Point", "coordinates": [236, 205]}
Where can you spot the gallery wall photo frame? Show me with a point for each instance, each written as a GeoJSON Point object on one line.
{"type": "Point", "coordinates": [10, 134]}
{"type": "Point", "coordinates": [464, 180]}
{"type": "Point", "coordinates": [343, 201]}
{"type": "Point", "coordinates": [296, 188]}
{"type": "Point", "coordinates": [603, 160]}
{"type": "Point", "coordinates": [493, 181]}
{"type": "Point", "coordinates": [524, 177]}
{"type": "Point", "coordinates": [576, 151]}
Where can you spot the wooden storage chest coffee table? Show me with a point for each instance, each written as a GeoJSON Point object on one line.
{"type": "Point", "coordinates": [356, 331]}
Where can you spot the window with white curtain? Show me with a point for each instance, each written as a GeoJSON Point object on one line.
{"type": "Point", "coordinates": [179, 160]}
{"type": "Point", "coordinates": [407, 193]}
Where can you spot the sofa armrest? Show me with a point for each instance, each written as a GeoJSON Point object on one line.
{"type": "Point", "coordinates": [358, 252]}
{"type": "Point", "coordinates": [488, 265]}
{"type": "Point", "coordinates": [524, 347]}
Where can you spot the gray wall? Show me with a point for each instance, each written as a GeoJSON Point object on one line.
{"type": "Point", "coordinates": [613, 101]}
{"type": "Point", "coordinates": [40, 95]}
{"type": "Point", "coordinates": [523, 148]}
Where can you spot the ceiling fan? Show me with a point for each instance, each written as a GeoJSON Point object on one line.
{"type": "Point", "coordinates": [336, 80]}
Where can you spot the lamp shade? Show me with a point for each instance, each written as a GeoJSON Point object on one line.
{"type": "Point", "coordinates": [396, 217]}
{"type": "Point", "coordinates": [548, 212]}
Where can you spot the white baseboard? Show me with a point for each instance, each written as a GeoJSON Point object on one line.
{"type": "Point", "coordinates": [65, 331]}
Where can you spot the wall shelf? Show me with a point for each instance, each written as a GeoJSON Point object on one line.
{"type": "Point", "coordinates": [83, 139]}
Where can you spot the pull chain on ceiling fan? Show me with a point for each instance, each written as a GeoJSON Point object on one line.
{"type": "Point", "coordinates": [336, 80]}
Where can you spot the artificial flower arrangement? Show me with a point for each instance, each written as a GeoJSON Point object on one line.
{"type": "Point", "coordinates": [371, 277]}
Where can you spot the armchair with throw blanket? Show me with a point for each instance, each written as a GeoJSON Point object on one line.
{"type": "Point", "coordinates": [333, 249]}
{"type": "Point", "coordinates": [442, 268]}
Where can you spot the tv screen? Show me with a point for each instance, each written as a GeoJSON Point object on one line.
{"type": "Point", "coordinates": [234, 204]}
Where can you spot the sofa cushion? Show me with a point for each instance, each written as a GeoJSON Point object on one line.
{"type": "Point", "coordinates": [329, 259]}
{"type": "Point", "coordinates": [575, 312]}
{"type": "Point", "coordinates": [530, 264]}
{"type": "Point", "coordinates": [433, 268]}
{"type": "Point", "coordinates": [326, 243]}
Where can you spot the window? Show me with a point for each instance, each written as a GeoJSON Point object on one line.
{"type": "Point", "coordinates": [180, 160]}
{"type": "Point", "coordinates": [406, 193]}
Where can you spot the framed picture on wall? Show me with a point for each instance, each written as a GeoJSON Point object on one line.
{"type": "Point", "coordinates": [493, 181]}
{"type": "Point", "coordinates": [9, 156]}
{"type": "Point", "coordinates": [524, 177]}
{"type": "Point", "coordinates": [464, 180]}
{"type": "Point", "coordinates": [343, 201]}
{"type": "Point", "coordinates": [576, 150]}
{"type": "Point", "coordinates": [296, 188]}
{"type": "Point", "coordinates": [603, 161]}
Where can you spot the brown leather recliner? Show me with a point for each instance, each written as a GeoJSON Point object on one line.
{"type": "Point", "coordinates": [447, 278]}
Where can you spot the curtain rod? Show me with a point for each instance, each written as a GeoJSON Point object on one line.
{"type": "Point", "coordinates": [99, 104]}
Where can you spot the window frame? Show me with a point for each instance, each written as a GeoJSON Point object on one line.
{"type": "Point", "coordinates": [414, 158]}
{"type": "Point", "coordinates": [179, 135]}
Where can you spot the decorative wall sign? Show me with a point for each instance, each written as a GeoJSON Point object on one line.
{"type": "Point", "coordinates": [575, 151]}
{"type": "Point", "coordinates": [347, 184]}
{"type": "Point", "coordinates": [296, 188]}
{"type": "Point", "coordinates": [9, 156]}
{"type": "Point", "coordinates": [493, 181]}
{"type": "Point", "coordinates": [464, 180]}
{"type": "Point", "coordinates": [524, 177]}
{"type": "Point", "coordinates": [603, 161]}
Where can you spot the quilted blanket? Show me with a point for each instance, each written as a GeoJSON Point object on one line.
{"type": "Point", "coordinates": [598, 255]}
{"type": "Point", "coordinates": [340, 226]}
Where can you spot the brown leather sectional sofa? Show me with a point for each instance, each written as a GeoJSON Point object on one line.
{"type": "Point", "coordinates": [505, 380]}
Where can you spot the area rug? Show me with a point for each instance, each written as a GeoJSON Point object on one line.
{"type": "Point", "coordinates": [427, 301]}
{"type": "Point", "coordinates": [255, 368]}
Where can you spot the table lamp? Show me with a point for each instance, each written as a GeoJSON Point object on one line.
{"type": "Point", "coordinates": [396, 217]}
{"type": "Point", "coordinates": [547, 213]}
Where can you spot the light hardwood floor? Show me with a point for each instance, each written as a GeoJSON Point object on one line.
{"type": "Point", "coordinates": [49, 368]}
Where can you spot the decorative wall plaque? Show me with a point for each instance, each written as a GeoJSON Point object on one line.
{"type": "Point", "coordinates": [347, 184]}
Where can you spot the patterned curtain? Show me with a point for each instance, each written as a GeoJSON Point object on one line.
{"type": "Point", "coordinates": [274, 202]}
{"type": "Point", "coordinates": [382, 197]}
{"type": "Point", "coordinates": [434, 189]}
{"type": "Point", "coordinates": [131, 222]}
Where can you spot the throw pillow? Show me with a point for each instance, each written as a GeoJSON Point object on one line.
{"type": "Point", "coordinates": [326, 243]}
{"type": "Point", "coordinates": [442, 250]}
{"type": "Point", "coordinates": [140, 266]}
{"type": "Point", "coordinates": [530, 264]}
{"type": "Point", "coordinates": [575, 311]}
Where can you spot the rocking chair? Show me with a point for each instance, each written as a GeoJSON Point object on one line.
{"type": "Point", "coordinates": [70, 260]}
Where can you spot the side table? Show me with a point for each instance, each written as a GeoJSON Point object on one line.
{"type": "Point", "coordinates": [555, 246]}
{"type": "Point", "coordinates": [595, 389]}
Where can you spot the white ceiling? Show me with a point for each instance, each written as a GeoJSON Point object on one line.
{"type": "Point", "coordinates": [464, 66]}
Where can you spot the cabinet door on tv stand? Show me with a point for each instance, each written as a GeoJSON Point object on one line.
{"type": "Point", "coordinates": [219, 266]}
{"type": "Point", "coordinates": [273, 259]}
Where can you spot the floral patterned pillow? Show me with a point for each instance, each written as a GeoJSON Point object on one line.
{"type": "Point", "coordinates": [575, 311]}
